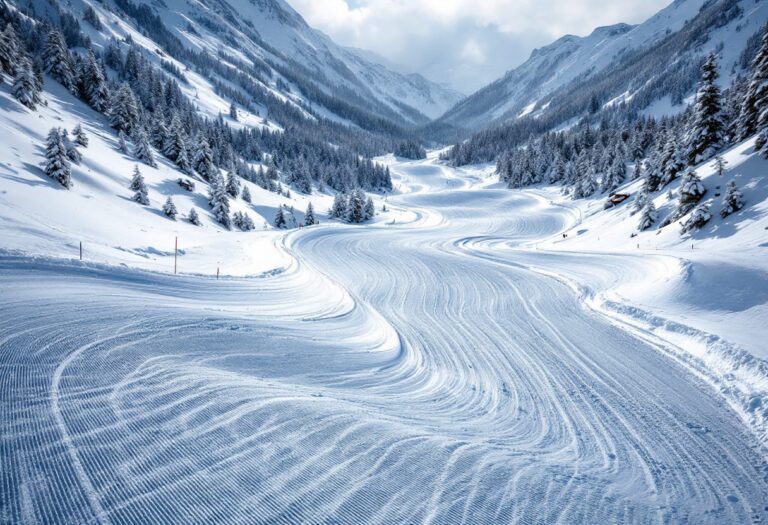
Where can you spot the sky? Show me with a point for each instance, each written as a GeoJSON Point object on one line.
{"type": "Point", "coordinates": [464, 44]}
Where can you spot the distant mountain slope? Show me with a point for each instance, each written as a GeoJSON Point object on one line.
{"type": "Point", "coordinates": [272, 31]}
{"type": "Point", "coordinates": [671, 42]}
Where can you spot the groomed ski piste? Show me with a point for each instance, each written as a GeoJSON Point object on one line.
{"type": "Point", "coordinates": [457, 360]}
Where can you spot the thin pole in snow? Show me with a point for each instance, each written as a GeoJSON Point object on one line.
{"type": "Point", "coordinates": [175, 254]}
{"type": "Point", "coordinates": [217, 273]}
{"type": "Point", "coordinates": [81, 250]}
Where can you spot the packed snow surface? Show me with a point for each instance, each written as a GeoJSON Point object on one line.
{"type": "Point", "coordinates": [433, 366]}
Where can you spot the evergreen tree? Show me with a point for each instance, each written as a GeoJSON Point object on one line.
{"type": "Point", "coordinates": [233, 185]}
{"type": "Point", "coordinates": [182, 160]}
{"type": "Point", "coordinates": [699, 217]}
{"type": "Point", "coordinates": [25, 87]}
{"type": "Point", "coordinates": [673, 162]}
{"type": "Point", "coordinates": [9, 50]}
{"type": "Point", "coordinates": [141, 148]}
{"type": "Point", "coordinates": [81, 139]}
{"type": "Point", "coordinates": [175, 141]}
{"type": "Point", "coordinates": [280, 218]}
{"type": "Point", "coordinates": [641, 199]}
{"type": "Point", "coordinates": [57, 164]}
{"type": "Point", "coordinates": [194, 218]}
{"type": "Point", "coordinates": [649, 216]}
{"type": "Point", "coordinates": [72, 152]}
{"type": "Point", "coordinates": [169, 208]}
{"type": "Point", "coordinates": [123, 111]}
{"type": "Point", "coordinates": [309, 215]}
{"type": "Point", "coordinates": [246, 195]}
{"type": "Point", "coordinates": [356, 207]}
{"type": "Point", "coordinates": [754, 114]}
{"type": "Point", "coordinates": [689, 194]}
{"type": "Point", "coordinates": [219, 202]}
{"type": "Point", "coordinates": [136, 179]}
{"type": "Point", "coordinates": [369, 210]}
{"type": "Point", "coordinates": [720, 164]}
{"type": "Point", "coordinates": [339, 208]}
{"type": "Point", "coordinates": [141, 193]}
{"type": "Point", "coordinates": [203, 161]}
{"type": "Point", "coordinates": [707, 133]}
{"type": "Point", "coordinates": [233, 111]}
{"type": "Point", "coordinates": [122, 144]}
{"type": "Point", "coordinates": [243, 221]}
{"type": "Point", "coordinates": [94, 85]}
{"type": "Point", "coordinates": [56, 59]}
{"type": "Point", "coordinates": [691, 189]}
{"type": "Point", "coordinates": [733, 200]}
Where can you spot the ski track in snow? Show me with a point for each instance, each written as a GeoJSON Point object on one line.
{"type": "Point", "coordinates": [416, 372]}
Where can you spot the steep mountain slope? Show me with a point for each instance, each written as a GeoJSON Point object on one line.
{"type": "Point", "coordinates": [270, 30]}
{"type": "Point", "coordinates": [656, 59]}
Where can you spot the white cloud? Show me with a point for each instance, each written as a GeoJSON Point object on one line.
{"type": "Point", "coordinates": [466, 43]}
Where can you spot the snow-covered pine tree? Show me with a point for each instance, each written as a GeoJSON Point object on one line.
{"type": "Point", "coordinates": [356, 208]}
{"type": "Point", "coordinates": [309, 215]}
{"type": "Point", "coordinates": [141, 193]}
{"type": "Point", "coordinates": [25, 88]}
{"type": "Point", "coordinates": [652, 175]}
{"type": "Point", "coordinates": [81, 139]}
{"type": "Point", "coordinates": [641, 199]}
{"type": "Point", "coordinates": [72, 152]}
{"type": "Point", "coordinates": [9, 50]}
{"type": "Point", "coordinates": [169, 208]}
{"type": "Point", "coordinates": [720, 164]}
{"type": "Point", "coordinates": [689, 194]}
{"type": "Point", "coordinates": [699, 217]}
{"type": "Point", "coordinates": [57, 164]}
{"type": "Point", "coordinates": [203, 161]}
{"type": "Point", "coordinates": [243, 221]}
{"type": "Point", "coordinates": [182, 159]}
{"type": "Point", "coordinates": [674, 162]}
{"type": "Point", "coordinates": [136, 179]}
{"type": "Point", "coordinates": [219, 201]}
{"type": "Point", "coordinates": [94, 84]}
{"type": "Point", "coordinates": [248, 223]}
{"type": "Point", "coordinates": [141, 148]}
{"type": "Point", "coordinates": [707, 132]}
{"type": "Point", "coordinates": [753, 109]}
{"type": "Point", "coordinates": [339, 208]}
{"type": "Point", "coordinates": [57, 61]}
{"type": "Point", "coordinates": [175, 139]}
{"type": "Point", "coordinates": [193, 217]}
{"type": "Point", "coordinates": [246, 194]}
{"type": "Point", "coordinates": [369, 209]}
{"type": "Point", "coordinates": [233, 111]}
{"type": "Point", "coordinates": [280, 218]}
{"type": "Point", "coordinates": [587, 186]}
{"type": "Point", "coordinates": [733, 200]}
{"type": "Point", "coordinates": [158, 133]}
{"type": "Point", "coordinates": [649, 216]}
{"type": "Point", "coordinates": [615, 176]}
{"type": "Point", "coordinates": [123, 111]}
{"type": "Point", "coordinates": [122, 143]}
{"type": "Point", "coordinates": [233, 185]}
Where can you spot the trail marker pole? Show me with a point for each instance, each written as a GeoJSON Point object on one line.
{"type": "Point", "coordinates": [217, 273]}
{"type": "Point", "coordinates": [175, 254]}
{"type": "Point", "coordinates": [81, 250]}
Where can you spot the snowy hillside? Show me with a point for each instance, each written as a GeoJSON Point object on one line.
{"type": "Point", "coordinates": [273, 32]}
{"type": "Point", "coordinates": [669, 41]}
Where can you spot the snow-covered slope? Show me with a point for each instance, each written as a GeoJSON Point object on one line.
{"type": "Point", "coordinates": [682, 32]}
{"type": "Point", "coordinates": [40, 217]}
{"type": "Point", "coordinates": [438, 369]}
{"type": "Point", "coordinates": [273, 31]}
